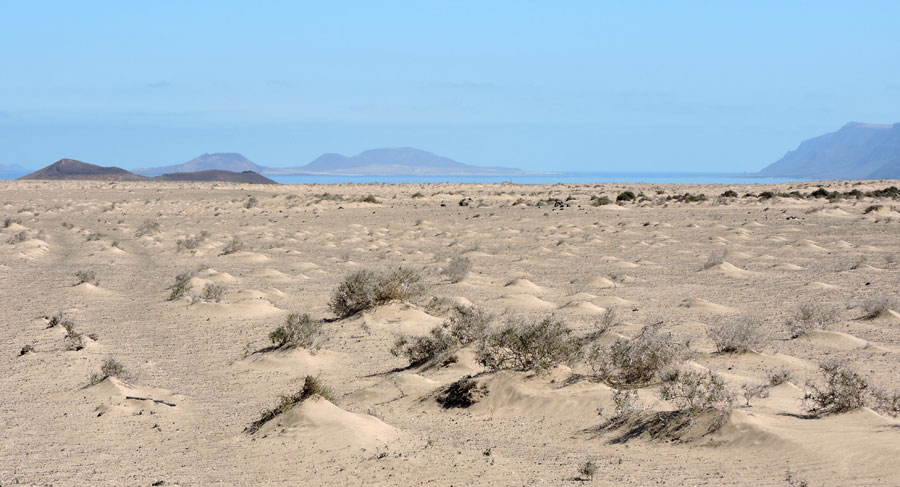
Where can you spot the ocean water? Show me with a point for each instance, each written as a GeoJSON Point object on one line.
{"type": "Point", "coordinates": [547, 178]}
{"type": "Point", "coordinates": [565, 178]}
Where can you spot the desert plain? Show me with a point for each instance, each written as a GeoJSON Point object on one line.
{"type": "Point", "coordinates": [103, 259]}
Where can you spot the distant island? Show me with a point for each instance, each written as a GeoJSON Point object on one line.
{"type": "Point", "coordinates": [375, 162]}
{"type": "Point", "coordinates": [856, 151]}
{"type": "Point", "coordinates": [72, 170]}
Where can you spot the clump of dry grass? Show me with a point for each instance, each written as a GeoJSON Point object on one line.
{"type": "Point", "coordinates": [365, 289]}
{"type": "Point", "coordinates": [312, 386]}
{"type": "Point", "coordinates": [752, 391]}
{"type": "Point", "coordinates": [299, 330]}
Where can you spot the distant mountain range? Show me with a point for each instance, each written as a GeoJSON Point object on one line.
{"type": "Point", "coordinates": [395, 161]}
{"type": "Point", "coordinates": [856, 151]}
{"type": "Point", "coordinates": [72, 170]}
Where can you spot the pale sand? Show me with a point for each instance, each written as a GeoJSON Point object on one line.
{"type": "Point", "coordinates": [385, 428]}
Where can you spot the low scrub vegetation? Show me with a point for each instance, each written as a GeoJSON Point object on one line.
{"type": "Point", "coordinates": [874, 307]}
{"type": "Point", "coordinates": [149, 227]}
{"type": "Point", "coordinates": [842, 389]}
{"type": "Point", "coordinates": [458, 268]}
{"type": "Point", "coordinates": [736, 337]}
{"type": "Point", "coordinates": [232, 247]}
{"type": "Point", "coordinates": [693, 391]}
{"type": "Point", "coordinates": [809, 317]}
{"type": "Point", "coordinates": [212, 293]}
{"type": "Point", "coordinates": [312, 386]}
{"type": "Point", "coordinates": [529, 346]}
{"type": "Point", "coordinates": [182, 286]}
{"type": "Point", "coordinates": [191, 242]}
{"type": "Point", "coordinates": [461, 394]}
{"type": "Point", "coordinates": [86, 277]}
{"type": "Point", "coordinates": [111, 368]}
{"type": "Point", "coordinates": [365, 289]}
{"type": "Point", "coordinates": [298, 330]}
{"type": "Point", "coordinates": [465, 326]}
{"type": "Point", "coordinates": [638, 360]}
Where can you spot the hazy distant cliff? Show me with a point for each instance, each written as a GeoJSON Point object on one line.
{"type": "Point", "coordinates": [856, 151]}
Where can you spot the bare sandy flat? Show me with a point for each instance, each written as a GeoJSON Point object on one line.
{"type": "Point", "coordinates": [202, 367]}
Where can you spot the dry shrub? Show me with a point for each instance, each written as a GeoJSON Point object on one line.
{"type": "Point", "coordinates": [638, 360]}
{"type": "Point", "coordinates": [311, 387]}
{"type": "Point", "coordinates": [778, 377]}
{"type": "Point", "coordinates": [843, 390]}
{"type": "Point", "coordinates": [212, 293]}
{"type": "Point", "coordinates": [811, 316]}
{"type": "Point", "coordinates": [714, 259]}
{"type": "Point", "coordinates": [365, 289]}
{"type": "Point", "coordinates": [181, 287]}
{"type": "Point", "coordinates": [297, 331]}
{"type": "Point", "coordinates": [588, 469]}
{"type": "Point", "coordinates": [111, 368]}
{"type": "Point", "coordinates": [736, 337]}
{"type": "Point", "coordinates": [465, 326]}
{"type": "Point", "coordinates": [696, 391]}
{"type": "Point", "coordinates": [18, 238]}
{"type": "Point", "coordinates": [149, 227]}
{"type": "Point", "coordinates": [233, 247]}
{"type": "Point", "coordinates": [192, 242]}
{"type": "Point", "coordinates": [529, 346]}
{"type": "Point", "coordinates": [86, 276]}
{"type": "Point", "coordinates": [28, 348]}
{"type": "Point", "coordinates": [461, 394]}
{"type": "Point", "coordinates": [876, 306]}
{"type": "Point", "coordinates": [458, 268]}
{"type": "Point", "coordinates": [627, 404]}
{"type": "Point", "coordinates": [753, 391]}
{"type": "Point", "coordinates": [607, 321]}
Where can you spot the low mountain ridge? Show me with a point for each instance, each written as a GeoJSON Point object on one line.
{"type": "Point", "coordinates": [389, 161]}
{"type": "Point", "coordinates": [224, 161]}
{"type": "Point", "coordinates": [72, 170]}
{"type": "Point", "coordinates": [856, 151]}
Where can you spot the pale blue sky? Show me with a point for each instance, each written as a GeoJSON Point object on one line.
{"type": "Point", "coordinates": [581, 86]}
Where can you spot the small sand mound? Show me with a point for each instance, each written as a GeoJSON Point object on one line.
{"type": "Point", "coordinates": [400, 318]}
{"type": "Point", "coordinates": [705, 306]}
{"type": "Point", "coordinates": [242, 309]}
{"type": "Point", "coordinates": [523, 286]}
{"type": "Point", "coordinates": [294, 360]}
{"type": "Point", "coordinates": [403, 384]}
{"type": "Point", "coordinates": [216, 276]}
{"type": "Point", "coordinates": [270, 274]}
{"type": "Point", "coordinates": [583, 307]}
{"type": "Point", "coordinates": [523, 300]}
{"type": "Point", "coordinates": [601, 282]}
{"type": "Point", "coordinates": [788, 267]}
{"type": "Point", "coordinates": [729, 270]}
{"type": "Point", "coordinates": [822, 285]}
{"type": "Point", "coordinates": [319, 422]}
{"type": "Point", "coordinates": [834, 339]}
{"type": "Point", "coordinates": [117, 397]}
{"type": "Point", "coordinates": [611, 301]}
{"type": "Point", "coordinates": [509, 395]}
{"type": "Point", "coordinates": [90, 289]}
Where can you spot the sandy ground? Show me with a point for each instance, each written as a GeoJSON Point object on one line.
{"type": "Point", "coordinates": [385, 428]}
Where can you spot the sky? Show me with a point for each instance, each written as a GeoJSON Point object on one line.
{"type": "Point", "coordinates": [577, 86]}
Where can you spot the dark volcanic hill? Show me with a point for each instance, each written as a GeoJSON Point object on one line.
{"type": "Point", "coordinates": [856, 151]}
{"type": "Point", "coordinates": [217, 175]}
{"type": "Point", "coordinates": [70, 169]}
{"type": "Point", "coordinates": [396, 161]}
{"type": "Point", "coordinates": [205, 162]}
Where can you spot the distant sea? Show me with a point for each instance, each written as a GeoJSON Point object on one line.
{"type": "Point", "coordinates": [545, 178]}
{"type": "Point", "coordinates": [565, 178]}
